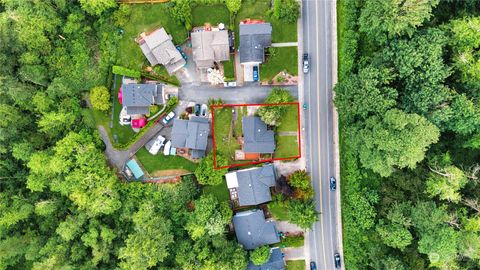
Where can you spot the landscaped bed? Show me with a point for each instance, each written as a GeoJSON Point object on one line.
{"type": "Point", "coordinates": [161, 165]}
{"type": "Point", "coordinates": [146, 18]}
{"type": "Point", "coordinates": [278, 60]}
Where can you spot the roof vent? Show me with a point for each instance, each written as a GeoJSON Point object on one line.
{"type": "Point", "coordinates": [259, 130]}
{"type": "Point", "coordinates": [249, 233]}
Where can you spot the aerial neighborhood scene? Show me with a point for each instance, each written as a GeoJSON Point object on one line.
{"type": "Point", "coordinates": [240, 134]}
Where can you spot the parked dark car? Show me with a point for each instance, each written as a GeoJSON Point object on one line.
{"type": "Point", "coordinates": [337, 260]}
{"type": "Point", "coordinates": [313, 266]}
{"type": "Point", "coordinates": [255, 73]}
{"type": "Point", "coordinates": [333, 183]}
{"type": "Point", "coordinates": [197, 109]}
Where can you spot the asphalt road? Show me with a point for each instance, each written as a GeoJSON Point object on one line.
{"type": "Point", "coordinates": [316, 19]}
{"type": "Point", "coordinates": [249, 93]}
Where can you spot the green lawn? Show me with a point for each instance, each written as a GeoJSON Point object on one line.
{"type": "Point", "coordinates": [291, 241]}
{"type": "Point", "coordinates": [146, 17]}
{"type": "Point", "coordinates": [281, 31]}
{"type": "Point", "coordinates": [290, 120]}
{"type": "Point", "coordinates": [225, 143]}
{"type": "Point", "coordinates": [121, 134]}
{"type": "Point", "coordinates": [159, 162]}
{"type": "Point", "coordinates": [219, 191]}
{"type": "Point", "coordinates": [282, 59]}
{"type": "Point", "coordinates": [213, 14]}
{"type": "Point", "coordinates": [278, 210]}
{"type": "Point", "coordinates": [118, 134]}
{"type": "Point", "coordinates": [287, 146]}
{"type": "Point", "coordinates": [296, 265]}
{"type": "Point", "coordinates": [228, 69]}
{"type": "Point", "coordinates": [241, 112]}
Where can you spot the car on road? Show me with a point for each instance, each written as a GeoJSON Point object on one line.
{"type": "Point", "coordinates": [255, 73]}
{"type": "Point", "coordinates": [229, 84]}
{"type": "Point", "coordinates": [305, 106]}
{"type": "Point", "coordinates": [306, 63]}
{"type": "Point", "coordinates": [337, 260]}
{"type": "Point", "coordinates": [313, 266]}
{"type": "Point", "coordinates": [333, 183]}
{"type": "Point", "coordinates": [204, 110]}
{"type": "Point", "coordinates": [168, 118]}
{"type": "Point", "coordinates": [197, 109]}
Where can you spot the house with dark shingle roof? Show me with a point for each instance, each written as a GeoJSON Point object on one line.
{"type": "Point", "coordinates": [252, 230]}
{"type": "Point", "coordinates": [251, 186]}
{"type": "Point", "coordinates": [191, 135]}
{"type": "Point", "coordinates": [276, 261]}
{"type": "Point", "coordinates": [254, 38]}
{"type": "Point", "coordinates": [257, 138]}
{"type": "Point", "coordinates": [137, 98]}
{"type": "Point", "coordinates": [158, 48]}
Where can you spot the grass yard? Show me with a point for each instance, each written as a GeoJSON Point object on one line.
{"type": "Point", "coordinates": [225, 143]}
{"type": "Point", "coordinates": [121, 134]}
{"type": "Point", "coordinates": [146, 18]}
{"type": "Point", "coordinates": [287, 146]}
{"type": "Point", "coordinates": [219, 191]}
{"type": "Point", "coordinates": [159, 162]}
{"type": "Point", "coordinates": [291, 241]}
{"type": "Point", "coordinates": [289, 120]}
{"type": "Point", "coordinates": [282, 59]}
{"type": "Point", "coordinates": [295, 265]}
{"type": "Point", "coordinates": [281, 31]}
{"type": "Point", "coordinates": [241, 112]}
{"type": "Point", "coordinates": [118, 134]}
{"type": "Point", "coordinates": [213, 14]}
{"type": "Point", "coordinates": [278, 210]}
{"type": "Point", "coordinates": [228, 69]}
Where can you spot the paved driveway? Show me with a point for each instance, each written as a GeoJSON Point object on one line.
{"type": "Point", "coordinates": [249, 93]}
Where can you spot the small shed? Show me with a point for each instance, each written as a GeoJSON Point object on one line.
{"type": "Point", "coordinates": [133, 166]}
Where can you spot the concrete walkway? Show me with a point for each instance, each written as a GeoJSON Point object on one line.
{"type": "Point", "coordinates": [294, 253]}
{"type": "Point", "coordinates": [285, 44]}
{"type": "Point", "coordinates": [287, 133]}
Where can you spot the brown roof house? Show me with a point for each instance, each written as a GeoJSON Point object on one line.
{"type": "Point", "coordinates": [158, 48]}
{"type": "Point", "coordinates": [209, 45]}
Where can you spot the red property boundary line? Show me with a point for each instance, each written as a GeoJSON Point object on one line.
{"type": "Point", "coordinates": [212, 110]}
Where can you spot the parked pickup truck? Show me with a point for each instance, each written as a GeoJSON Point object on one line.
{"type": "Point", "coordinates": [306, 64]}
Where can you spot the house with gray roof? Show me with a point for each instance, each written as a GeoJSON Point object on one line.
{"type": "Point", "coordinates": [191, 134]}
{"type": "Point", "coordinates": [251, 186]}
{"type": "Point", "coordinates": [276, 261]}
{"type": "Point", "coordinates": [254, 38]}
{"type": "Point", "coordinates": [257, 138]}
{"type": "Point", "coordinates": [252, 230]}
{"type": "Point", "coordinates": [137, 98]}
{"type": "Point", "coordinates": [209, 47]}
{"type": "Point", "coordinates": [158, 48]}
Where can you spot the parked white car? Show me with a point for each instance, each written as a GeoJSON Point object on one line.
{"type": "Point", "coordinates": [154, 145]}
{"type": "Point", "coordinates": [124, 118]}
{"type": "Point", "coordinates": [166, 149]}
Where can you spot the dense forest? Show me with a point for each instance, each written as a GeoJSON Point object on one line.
{"type": "Point", "coordinates": [61, 206]}
{"type": "Point", "coordinates": [409, 106]}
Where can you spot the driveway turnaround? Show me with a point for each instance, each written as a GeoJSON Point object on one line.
{"type": "Point", "coordinates": [249, 93]}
